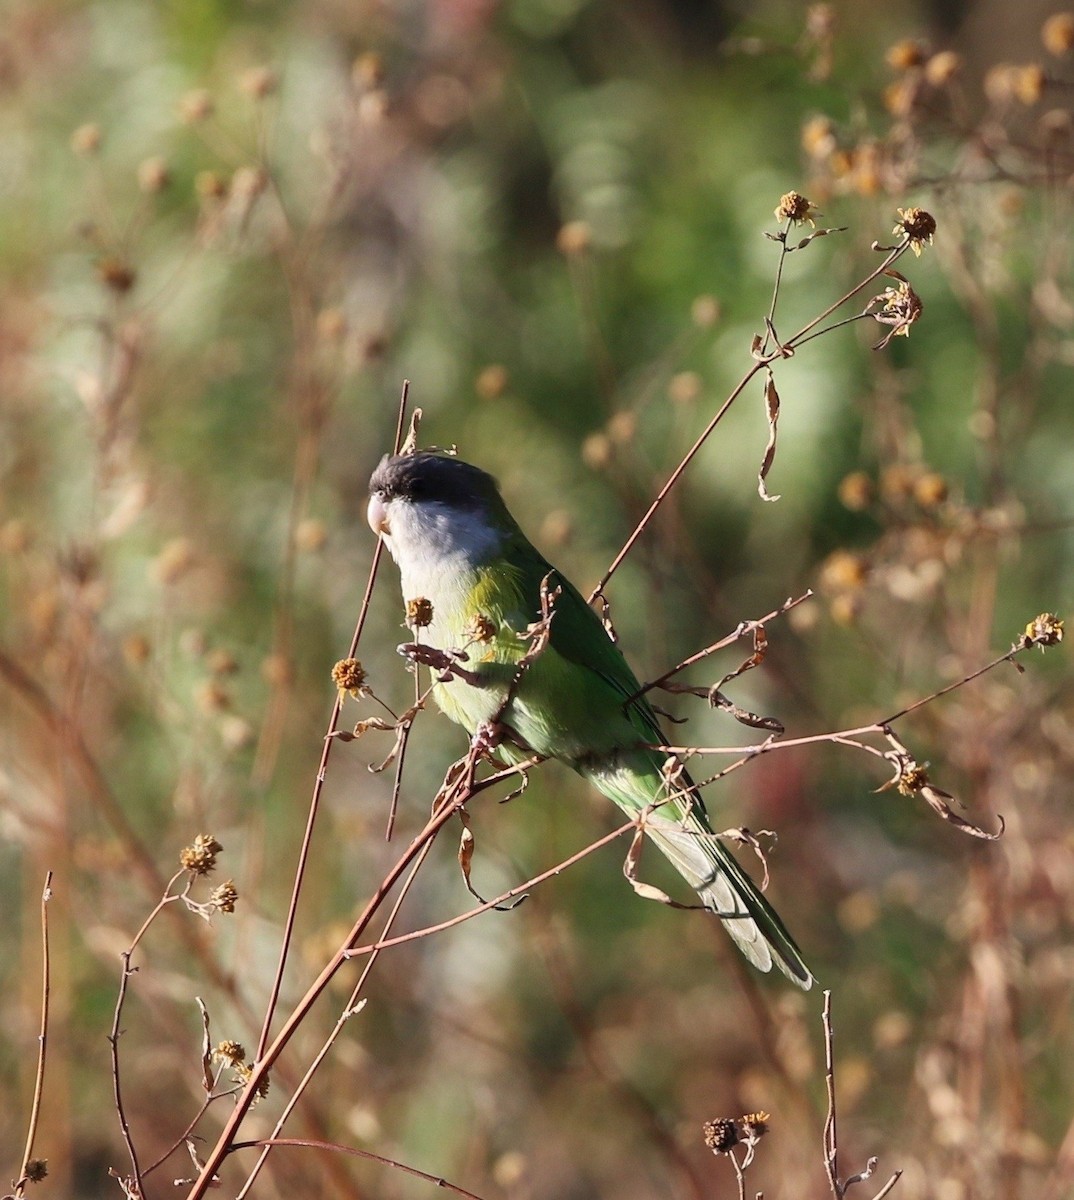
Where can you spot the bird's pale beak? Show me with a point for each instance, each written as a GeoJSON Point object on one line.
{"type": "Point", "coordinates": [377, 516]}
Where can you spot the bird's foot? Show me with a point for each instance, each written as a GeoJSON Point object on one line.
{"type": "Point", "coordinates": [447, 662]}
{"type": "Point", "coordinates": [486, 738]}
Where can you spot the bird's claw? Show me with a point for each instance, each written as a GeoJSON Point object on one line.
{"type": "Point", "coordinates": [486, 738]}
{"type": "Point", "coordinates": [447, 662]}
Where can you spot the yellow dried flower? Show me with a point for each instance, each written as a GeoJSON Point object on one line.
{"type": "Point", "coordinates": [905, 55]}
{"type": "Point", "coordinates": [1029, 82]}
{"type": "Point", "coordinates": [843, 571]}
{"type": "Point", "coordinates": [480, 629]}
{"type": "Point", "coordinates": [917, 226]}
{"type": "Point", "coordinates": [224, 897]}
{"type": "Point", "coordinates": [930, 489]}
{"type": "Point", "coordinates": [942, 68]}
{"type": "Point", "coordinates": [200, 857]}
{"type": "Point", "coordinates": [419, 612]}
{"type": "Point", "coordinates": [1057, 33]}
{"type": "Point", "coordinates": [349, 676]}
{"type": "Point", "coordinates": [754, 1125]}
{"type": "Point", "coordinates": [856, 491]}
{"type": "Point", "coordinates": [230, 1052]}
{"type": "Point", "coordinates": [912, 778]}
{"type": "Point", "coordinates": [818, 137]}
{"type": "Point", "coordinates": [796, 209]}
{"type": "Point", "coordinates": [900, 308]}
{"type": "Point", "coordinates": [1046, 629]}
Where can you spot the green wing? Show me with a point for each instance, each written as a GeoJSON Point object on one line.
{"type": "Point", "coordinates": [579, 702]}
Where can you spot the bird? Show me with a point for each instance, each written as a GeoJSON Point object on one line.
{"type": "Point", "coordinates": [466, 565]}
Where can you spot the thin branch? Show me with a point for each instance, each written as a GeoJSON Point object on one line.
{"type": "Point", "coordinates": [42, 1039]}
{"type": "Point", "coordinates": [322, 769]}
{"type": "Point", "coordinates": [311, 1144]}
{"type": "Point", "coordinates": [114, 1034]}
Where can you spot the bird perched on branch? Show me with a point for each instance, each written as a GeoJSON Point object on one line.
{"type": "Point", "coordinates": [486, 589]}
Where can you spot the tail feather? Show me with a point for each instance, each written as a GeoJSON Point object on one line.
{"type": "Point", "coordinates": [682, 832]}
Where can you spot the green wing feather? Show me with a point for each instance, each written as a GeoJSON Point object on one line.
{"type": "Point", "coordinates": [579, 703]}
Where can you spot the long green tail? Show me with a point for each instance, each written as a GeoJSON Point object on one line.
{"type": "Point", "coordinates": [681, 830]}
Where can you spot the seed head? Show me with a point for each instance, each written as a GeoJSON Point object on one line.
{"type": "Point", "coordinates": [905, 55]}
{"type": "Point", "coordinates": [942, 68]}
{"type": "Point", "coordinates": [224, 897]}
{"type": "Point", "coordinates": [1057, 33]}
{"type": "Point", "coordinates": [230, 1052]}
{"type": "Point", "coordinates": [856, 491]}
{"type": "Point", "coordinates": [1045, 630]}
{"type": "Point", "coordinates": [349, 676]}
{"type": "Point", "coordinates": [259, 82]}
{"type": "Point", "coordinates": [794, 207]}
{"type": "Point", "coordinates": [917, 226]}
{"type": "Point", "coordinates": [36, 1169]}
{"type": "Point", "coordinates": [900, 307]}
{"type": "Point", "coordinates": [200, 857]}
{"type": "Point", "coordinates": [480, 629]}
{"type": "Point", "coordinates": [754, 1125]}
{"type": "Point", "coordinates": [419, 612]}
{"type": "Point", "coordinates": [912, 778]}
{"type": "Point", "coordinates": [721, 1136]}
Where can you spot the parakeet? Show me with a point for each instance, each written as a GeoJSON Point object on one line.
{"type": "Point", "coordinates": [458, 547]}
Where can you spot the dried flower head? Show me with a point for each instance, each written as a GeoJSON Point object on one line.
{"type": "Point", "coordinates": [843, 571]}
{"type": "Point", "coordinates": [1029, 83]}
{"type": "Point", "coordinates": [200, 857]}
{"type": "Point", "coordinates": [349, 676]}
{"type": "Point", "coordinates": [1046, 629]}
{"type": "Point", "coordinates": [856, 491]}
{"type": "Point", "coordinates": [818, 137]}
{"type": "Point", "coordinates": [419, 612]}
{"type": "Point", "coordinates": [36, 1169]}
{"type": "Point", "coordinates": [224, 897]}
{"type": "Point", "coordinates": [480, 629]}
{"type": "Point", "coordinates": [912, 778]}
{"type": "Point", "coordinates": [794, 207]}
{"type": "Point", "coordinates": [917, 226]}
{"type": "Point", "coordinates": [942, 68]}
{"type": "Point", "coordinates": [720, 1135]}
{"type": "Point", "coordinates": [243, 1074]}
{"type": "Point", "coordinates": [229, 1052]}
{"type": "Point", "coordinates": [930, 489]}
{"type": "Point", "coordinates": [900, 307]}
{"type": "Point", "coordinates": [905, 55]}
{"type": "Point", "coordinates": [1057, 33]}
{"type": "Point", "coordinates": [754, 1125]}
